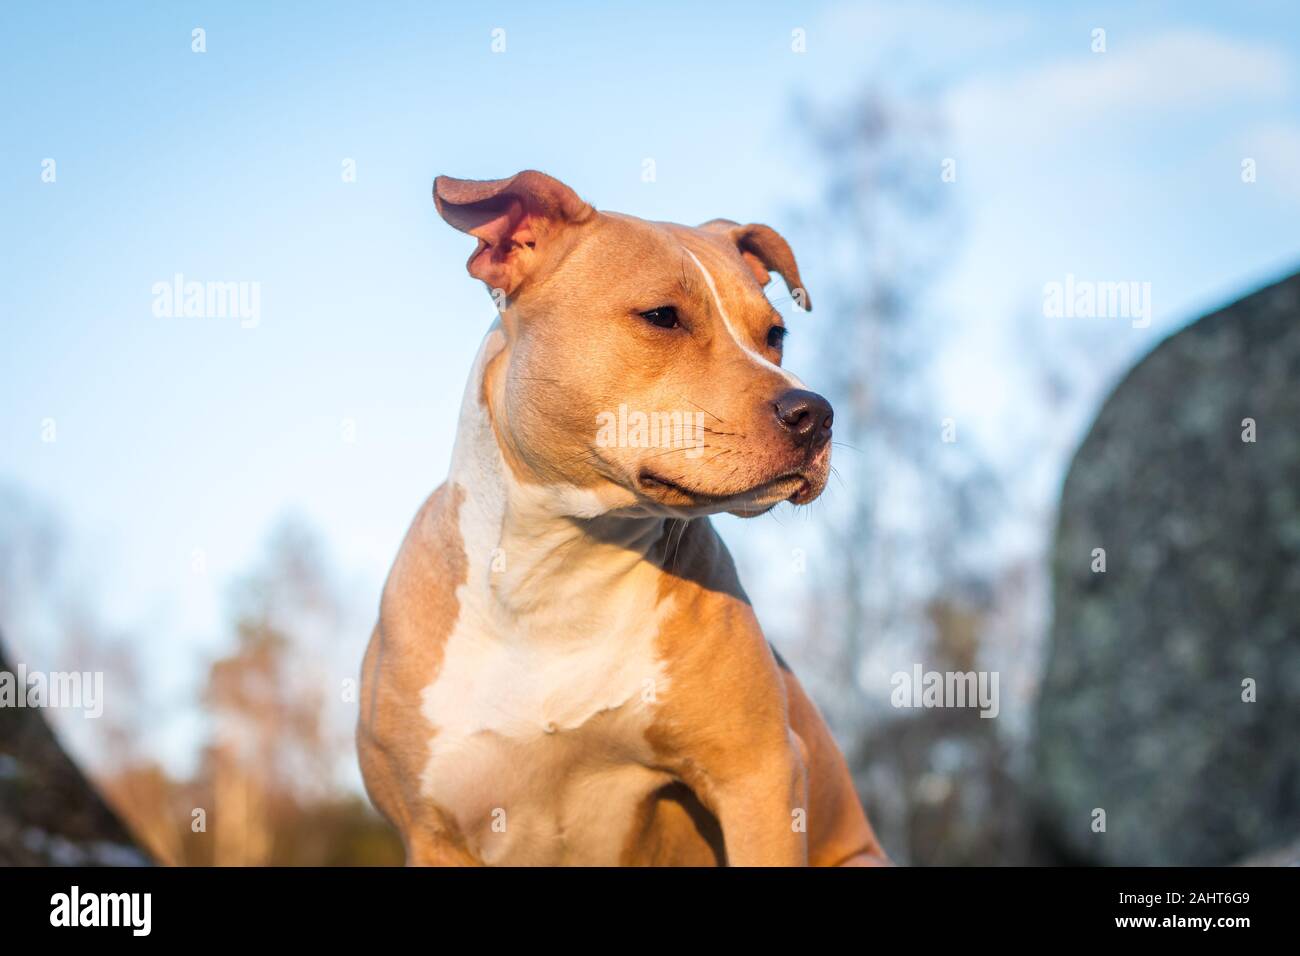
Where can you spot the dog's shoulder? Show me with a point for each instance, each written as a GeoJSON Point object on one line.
{"type": "Point", "coordinates": [419, 607]}
{"type": "Point", "coordinates": [430, 564]}
{"type": "Point", "coordinates": [417, 613]}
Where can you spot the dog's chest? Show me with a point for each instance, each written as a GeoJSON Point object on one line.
{"type": "Point", "coordinates": [539, 751]}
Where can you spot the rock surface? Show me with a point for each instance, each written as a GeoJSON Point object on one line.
{"type": "Point", "coordinates": [1141, 711]}
{"type": "Point", "coordinates": [50, 815]}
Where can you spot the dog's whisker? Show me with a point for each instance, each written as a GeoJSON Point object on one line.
{"type": "Point", "coordinates": [680, 535]}
{"type": "Point", "coordinates": [706, 411]}
{"type": "Point", "coordinates": [672, 450]}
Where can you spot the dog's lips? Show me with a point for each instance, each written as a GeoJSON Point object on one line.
{"type": "Point", "coordinates": [804, 493]}
{"type": "Point", "coordinates": [648, 481]}
{"type": "Point", "coordinates": [793, 487]}
{"type": "Point", "coordinates": [670, 492]}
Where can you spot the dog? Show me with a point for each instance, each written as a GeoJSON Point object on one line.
{"type": "Point", "coordinates": [565, 669]}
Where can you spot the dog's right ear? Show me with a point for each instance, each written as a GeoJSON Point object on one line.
{"type": "Point", "coordinates": [764, 251]}
{"type": "Point", "coordinates": [511, 218]}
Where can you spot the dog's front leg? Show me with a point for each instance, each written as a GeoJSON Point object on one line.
{"type": "Point", "coordinates": [431, 849]}
{"type": "Point", "coordinates": [763, 808]}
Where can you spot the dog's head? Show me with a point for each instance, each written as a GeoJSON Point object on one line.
{"type": "Point", "coordinates": [642, 359]}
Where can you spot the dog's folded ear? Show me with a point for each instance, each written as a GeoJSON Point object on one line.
{"type": "Point", "coordinates": [510, 218]}
{"type": "Point", "coordinates": [765, 251]}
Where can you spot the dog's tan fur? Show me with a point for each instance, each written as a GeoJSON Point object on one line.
{"type": "Point", "coordinates": [565, 667]}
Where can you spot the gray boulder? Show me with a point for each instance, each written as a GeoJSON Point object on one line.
{"type": "Point", "coordinates": [1141, 713]}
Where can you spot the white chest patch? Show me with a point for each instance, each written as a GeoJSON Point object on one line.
{"type": "Point", "coordinates": [539, 749]}
{"type": "Point", "coordinates": [548, 681]}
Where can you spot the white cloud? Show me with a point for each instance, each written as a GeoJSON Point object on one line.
{"type": "Point", "coordinates": [1176, 72]}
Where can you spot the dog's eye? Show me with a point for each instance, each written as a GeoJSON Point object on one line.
{"type": "Point", "coordinates": [775, 336]}
{"type": "Point", "coordinates": [665, 317]}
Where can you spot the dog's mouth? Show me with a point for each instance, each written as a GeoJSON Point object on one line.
{"type": "Point", "coordinates": [794, 487]}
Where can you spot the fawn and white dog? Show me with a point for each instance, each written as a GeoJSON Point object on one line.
{"type": "Point", "coordinates": [565, 669]}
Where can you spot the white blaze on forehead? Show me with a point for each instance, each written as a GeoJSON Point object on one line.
{"type": "Point", "coordinates": [731, 329]}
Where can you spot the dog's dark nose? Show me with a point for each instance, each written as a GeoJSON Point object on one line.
{"type": "Point", "coordinates": [807, 416]}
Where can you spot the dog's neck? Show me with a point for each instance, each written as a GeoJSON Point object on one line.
{"type": "Point", "coordinates": [534, 548]}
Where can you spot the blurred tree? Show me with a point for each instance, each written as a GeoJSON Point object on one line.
{"type": "Point", "coordinates": [274, 748]}
{"type": "Point", "coordinates": [918, 562]}
{"type": "Point", "coordinates": [903, 522]}
{"type": "Point", "coordinates": [274, 782]}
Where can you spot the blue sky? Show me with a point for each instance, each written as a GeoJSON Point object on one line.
{"type": "Point", "coordinates": [176, 435]}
